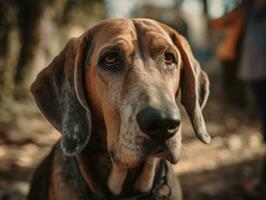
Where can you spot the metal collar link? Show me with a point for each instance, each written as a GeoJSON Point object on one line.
{"type": "Point", "coordinates": [162, 190]}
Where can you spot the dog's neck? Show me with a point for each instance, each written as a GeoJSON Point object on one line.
{"type": "Point", "coordinates": [142, 180]}
{"type": "Point", "coordinates": [103, 176]}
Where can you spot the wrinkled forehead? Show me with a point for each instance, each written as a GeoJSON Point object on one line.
{"type": "Point", "coordinates": [111, 31]}
{"type": "Point", "coordinates": [129, 33]}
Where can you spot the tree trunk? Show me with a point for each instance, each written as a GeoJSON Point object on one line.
{"type": "Point", "coordinates": [5, 28]}
{"type": "Point", "coordinates": [29, 16]}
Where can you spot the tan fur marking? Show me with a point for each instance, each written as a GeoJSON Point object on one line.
{"type": "Point", "coordinates": [116, 179]}
{"type": "Point", "coordinates": [145, 180]}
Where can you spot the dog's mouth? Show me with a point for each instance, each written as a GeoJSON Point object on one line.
{"type": "Point", "coordinates": [149, 148]}
{"type": "Point", "coordinates": [130, 153]}
{"type": "Point", "coordinates": [164, 150]}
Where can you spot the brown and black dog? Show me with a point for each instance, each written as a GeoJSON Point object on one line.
{"type": "Point", "coordinates": [113, 94]}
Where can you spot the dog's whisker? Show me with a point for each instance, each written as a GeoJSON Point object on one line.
{"type": "Point", "coordinates": [183, 151]}
{"type": "Point", "coordinates": [186, 140]}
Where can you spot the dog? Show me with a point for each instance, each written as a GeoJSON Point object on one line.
{"type": "Point", "coordinates": [113, 95]}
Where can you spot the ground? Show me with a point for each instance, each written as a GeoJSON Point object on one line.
{"type": "Point", "coordinates": [207, 172]}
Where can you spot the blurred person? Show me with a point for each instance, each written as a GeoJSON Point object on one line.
{"type": "Point", "coordinates": [248, 21]}
{"type": "Point", "coordinates": [253, 70]}
{"type": "Point", "coordinates": [228, 53]}
{"type": "Point", "coordinates": [253, 63]}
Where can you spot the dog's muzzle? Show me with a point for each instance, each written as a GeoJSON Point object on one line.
{"type": "Point", "coordinates": [158, 124]}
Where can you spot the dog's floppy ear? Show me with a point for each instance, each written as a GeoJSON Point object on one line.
{"type": "Point", "coordinates": [194, 88]}
{"type": "Point", "coordinates": [60, 94]}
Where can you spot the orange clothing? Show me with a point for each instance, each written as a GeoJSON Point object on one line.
{"type": "Point", "coordinates": [233, 24]}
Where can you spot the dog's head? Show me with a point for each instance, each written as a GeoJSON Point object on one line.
{"type": "Point", "coordinates": [128, 73]}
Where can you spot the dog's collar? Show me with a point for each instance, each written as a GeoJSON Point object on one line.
{"type": "Point", "coordinates": [160, 182]}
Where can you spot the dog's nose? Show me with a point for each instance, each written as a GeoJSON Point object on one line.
{"type": "Point", "coordinates": [158, 124]}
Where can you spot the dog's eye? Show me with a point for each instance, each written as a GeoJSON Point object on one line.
{"type": "Point", "coordinates": [110, 59]}
{"type": "Point", "coordinates": [169, 58]}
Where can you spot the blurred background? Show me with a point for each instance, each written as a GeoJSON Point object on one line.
{"type": "Point", "coordinates": [32, 32]}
